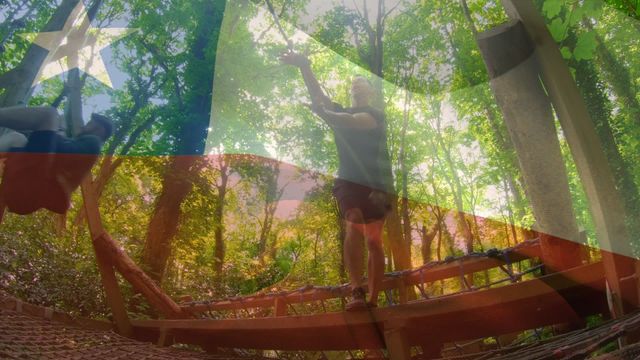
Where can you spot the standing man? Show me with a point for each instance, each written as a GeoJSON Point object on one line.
{"type": "Point", "coordinates": [361, 138]}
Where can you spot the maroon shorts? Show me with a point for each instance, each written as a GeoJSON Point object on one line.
{"type": "Point", "coordinates": [373, 203]}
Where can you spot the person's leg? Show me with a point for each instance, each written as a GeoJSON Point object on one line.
{"type": "Point", "coordinates": [354, 247]}
{"type": "Point", "coordinates": [373, 234]}
{"type": "Point", "coordinates": [29, 118]}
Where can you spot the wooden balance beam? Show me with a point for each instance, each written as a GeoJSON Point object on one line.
{"type": "Point", "coordinates": [553, 299]}
{"type": "Point", "coordinates": [402, 282]}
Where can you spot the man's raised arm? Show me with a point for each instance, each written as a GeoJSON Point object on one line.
{"type": "Point", "coordinates": [318, 97]}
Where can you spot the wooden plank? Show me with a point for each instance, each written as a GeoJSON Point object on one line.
{"type": "Point", "coordinates": [109, 255]}
{"type": "Point", "coordinates": [137, 278]}
{"type": "Point", "coordinates": [10, 303]}
{"type": "Point", "coordinates": [395, 338]}
{"type": "Point", "coordinates": [402, 290]}
{"type": "Point", "coordinates": [553, 299]}
{"type": "Point", "coordinates": [107, 273]}
{"type": "Point", "coordinates": [594, 170]}
{"type": "Point", "coordinates": [280, 307]}
{"type": "Point", "coordinates": [438, 272]}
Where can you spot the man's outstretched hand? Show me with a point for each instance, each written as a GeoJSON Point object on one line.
{"type": "Point", "coordinates": [293, 58]}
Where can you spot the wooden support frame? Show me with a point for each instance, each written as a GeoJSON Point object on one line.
{"type": "Point", "coordinates": [110, 257]}
{"type": "Point", "coordinates": [594, 170]}
{"type": "Point", "coordinates": [137, 278]}
{"type": "Point", "coordinates": [280, 306]}
{"type": "Point", "coordinates": [552, 299]}
{"type": "Point", "coordinates": [107, 272]}
{"type": "Point", "coordinates": [396, 341]}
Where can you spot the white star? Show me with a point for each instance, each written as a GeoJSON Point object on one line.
{"type": "Point", "coordinates": [77, 45]}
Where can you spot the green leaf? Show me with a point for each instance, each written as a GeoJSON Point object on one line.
{"type": "Point", "coordinates": [552, 8]}
{"type": "Point", "coordinates": [592, 8]}
{"type": "Point", "coordinates": [566, 53]}
{"type": "Point", "coordinates": [586, 46]}
{"type": "Point", "coordinates": [558, 30]}
{"type": "Point", "coordinates": [576, 16]}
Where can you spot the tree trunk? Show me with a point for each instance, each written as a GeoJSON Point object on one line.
{"type": "Point", "coordinates": [426, 238]}
{"type": "Point", "coordinates": [404, 176]}
{"type": "Point", "coordinates": [273, 196]}
{"type": "Point", "coordinates": [219, 250]}
{"type": "Point", "coordinates": [530, 122]}
{"type": "Point", "coordinates": [506, 147]}
{"type": "Point", "coordinates": [456, 189]}
{"type": "Point", "coordinates": [163, 226]}
{"type": "Point", "coordinates": [439, 221]}
{"type": "Point", "coordinates": [600, 109]}
{"type": "Point", "coordinates": [179, 176]}
{"type": "Point", "coordinates": [619, 78]}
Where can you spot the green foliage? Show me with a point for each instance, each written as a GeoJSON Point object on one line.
{"type": "Point", "coordinates": [44, 268]}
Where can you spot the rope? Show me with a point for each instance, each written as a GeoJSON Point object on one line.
{"type": "Point", "coordinates": [389, 297]}
{"type": "Point", "coordinates": [463, 279]}
{"type": "Point", "coordinates": [276, 20]}
{"type": "Point", "coordinates": [509, 267]}
{"type": "Point", "coordinates": [420, 286]}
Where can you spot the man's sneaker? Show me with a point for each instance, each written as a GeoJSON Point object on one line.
{"type": "Point", "coordinates": [358, 302]}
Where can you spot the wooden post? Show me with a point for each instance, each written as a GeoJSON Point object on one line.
{"type": "Point", "coordinates": [107, 273]}
{"type": "Point", "coordinates": [508, 55]}
{"type": "Point", "coordinates": [432, 349]}
{"type": "Point", "coordinates": [594, 170]}
{"type": "Point", "coordinates": [395, 338]}
{"type": "Point", "coordinates": [164, 337]}
{"type": "Point", "coordinates": [280, 306]}
{"type": "Point", "coordinates": [403, 296]}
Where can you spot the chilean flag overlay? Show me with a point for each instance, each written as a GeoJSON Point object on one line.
{"type": "Point", "coordinates": [217, 160]}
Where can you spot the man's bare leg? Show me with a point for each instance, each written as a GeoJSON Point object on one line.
{"type": "Point", "coordinates": [373, 234]}
{"type": "Point", "coordinates": [354, 247]}
{"type": "Point", "coordinates": [29, 118]}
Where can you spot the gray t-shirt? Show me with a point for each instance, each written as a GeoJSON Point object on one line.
{"type": "Point", "coordinates": [362, 153]}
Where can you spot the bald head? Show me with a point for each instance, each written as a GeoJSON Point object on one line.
{"type": "Point", "coordinates": [361, 91]}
